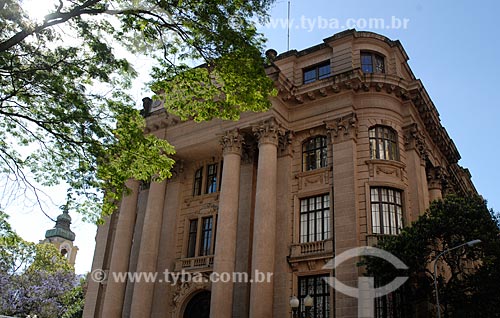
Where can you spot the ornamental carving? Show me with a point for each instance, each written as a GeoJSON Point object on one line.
{"type": "Point", "coordinates": [268, 131]}
{"type": "Point", "coordinates": [385, 170]}
{"type": "Point", "coordinates": [185, 288]}
{"type": "Point", "coordinates": [436, 177]}
{"type": "Point", "coordinates": [414, 139]}
{"type": "Point", "coordinates": [343, 128]}
{"type": "Point", "coordinates": [284, 144]}
{"type": "Point", "coordinates": [232, 142]}
{"type": "Point", "coordinates": [315, 179]}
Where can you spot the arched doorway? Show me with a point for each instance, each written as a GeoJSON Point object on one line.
{"type": "Point", "coordinates": [198, 306]}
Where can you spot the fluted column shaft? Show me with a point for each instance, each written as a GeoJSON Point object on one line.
{"type": "Point", "coordinates": [263, 250]}
{"type": "Point", "coordinates": [148, 252]}
{"type": "Point", "coordinates": [225, 248]}
{"type": "Point", "coordinates": [115, 290]}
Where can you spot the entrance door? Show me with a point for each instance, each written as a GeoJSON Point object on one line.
{"type": "Point", "coordinates": [198, 306]}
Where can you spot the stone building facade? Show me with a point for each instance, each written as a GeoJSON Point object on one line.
{"type": "Point", "coordinates": [352, 149]}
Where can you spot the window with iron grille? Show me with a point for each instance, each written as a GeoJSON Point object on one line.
{"type": "Point", "coordinates": [314, 153]}
{"type": "Point", "coordinates": [315, 219]}
{"type": "Point", "coordinates": [319, 289]}
{"type": "Point", "coordinates": [383, 143]}
{"type": "Point", "coordinates": [387, 210]}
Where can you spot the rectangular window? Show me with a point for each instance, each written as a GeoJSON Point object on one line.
{"type": "Point", "coordinates": [314, 153]}
{"type": "Point", "coordinates": [387, 211]}
{"type": "Point", "coordinates": [316, 72]}
{"type": "Point", "coordinates": [211, 178]}
{"type": "Point", "coordinates": [389, 306]}
{"type": "Point", "coordinates": [366, 63]}
{"type": "Point", "coordinates": [315, 219]}
{"type": "Point", "coordinates": [201, 237]}
{"type": "Point", "coordinates": [198, 177]}
{"type": "Point", "coordinates": [206, 236]}
{"type": "Point", "coordinates": [372, 63]}
{"type": "Point", "coordinates": [193, 229]}
{"type": "Point", "coordinates": [319, 289]}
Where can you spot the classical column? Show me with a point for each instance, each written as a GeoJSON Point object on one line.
{"type": "Point", "coordinates": [435, 177]}
{"type": "Point", "coordinates": [263, 249]}
{"type": "Point", "coordinates": [142, 298]}
{"type": "Point", "coordinates": [94, 294]}
{"type": "Point", "coordinates": [115, 291]}
{"type": "Point", "coordinates": [221, 302]}
{"type": "Point", "coordinates": [343, 133]}
{"type": "Point", "coordinates": [416, 153]}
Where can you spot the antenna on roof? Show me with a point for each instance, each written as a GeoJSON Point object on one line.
{"type": "Point", "coordinates": [288, 28]}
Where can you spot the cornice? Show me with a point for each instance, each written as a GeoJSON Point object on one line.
{"type": "Point", "coordinates": [358, 82]}
{"type": "Point", "coordinates": [160, 119]}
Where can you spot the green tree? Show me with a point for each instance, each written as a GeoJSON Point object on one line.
{"type": "Point", "coordinates": [35, 279]}
{"type": "Point", "coordinates": [74, 301]}
{"type": "Point", "coordinates": [65, 116]}
{"type": "Point", "coordinates": [467, 277]}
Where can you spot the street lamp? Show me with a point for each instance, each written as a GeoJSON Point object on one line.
{"type": "Point", "coordinates": [470, 243]}
{"type": "Point", "coordinates": [295, 303]}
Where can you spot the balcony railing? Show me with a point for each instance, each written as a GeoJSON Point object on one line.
{"type": "Point", "coordinates": [317, 248]}
{"type": "Point", "coordinates": [200, 262]}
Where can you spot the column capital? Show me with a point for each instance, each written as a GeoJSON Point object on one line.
{"type": "Point", "coordinates": [415, 140]}
{"type": "Point", "coordinates": [268, 131]}
{"type": "Point", "coordinates": [343, 128]}
{"type": "Point", "coordinates": [232, 142]}
{"type": "Point", "coordinates": [132, 185]}
{"type": "Point", "coordinates": [436, 177]}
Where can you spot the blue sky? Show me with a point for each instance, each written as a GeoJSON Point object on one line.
{"type": "Point", "coordinates": [453, 48]}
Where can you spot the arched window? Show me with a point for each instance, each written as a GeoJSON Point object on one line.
{"type": "Point", "coordinates": [64, 252]}
{"type": "Point", "coordinates": [314, 153]}
{"type": "Point", "coordinates": [372, 63]}
{"type": "Point", "coordinates": [383, 143]}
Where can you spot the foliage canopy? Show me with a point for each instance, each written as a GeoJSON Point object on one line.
{"type": "Point", "coordinates": [35, 279]}
{"type": "Point", "coordinates": [467, 277]}
{"type": "Point", "coordinates": [65, 116]}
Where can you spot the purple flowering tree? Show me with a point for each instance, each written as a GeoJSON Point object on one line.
{"type": "Point", "coordinates": [35, 279]}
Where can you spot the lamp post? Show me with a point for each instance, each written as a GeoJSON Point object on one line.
{"type": "Point", "coordinates": [470, 243]}
{"type": "Point", "coordinates": [295, 303]}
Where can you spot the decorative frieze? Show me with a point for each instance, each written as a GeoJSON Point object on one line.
{"type": "Point", "coordinates": [343, 128]}
{"type": "Point", "coordinates": [315, 179]}
{"type": "Point", "coordinates": [232, 142]}
{"type": "Point", "coordinates": [415, 140]}
{"type": "Point", "coordinates": [385, 169]}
